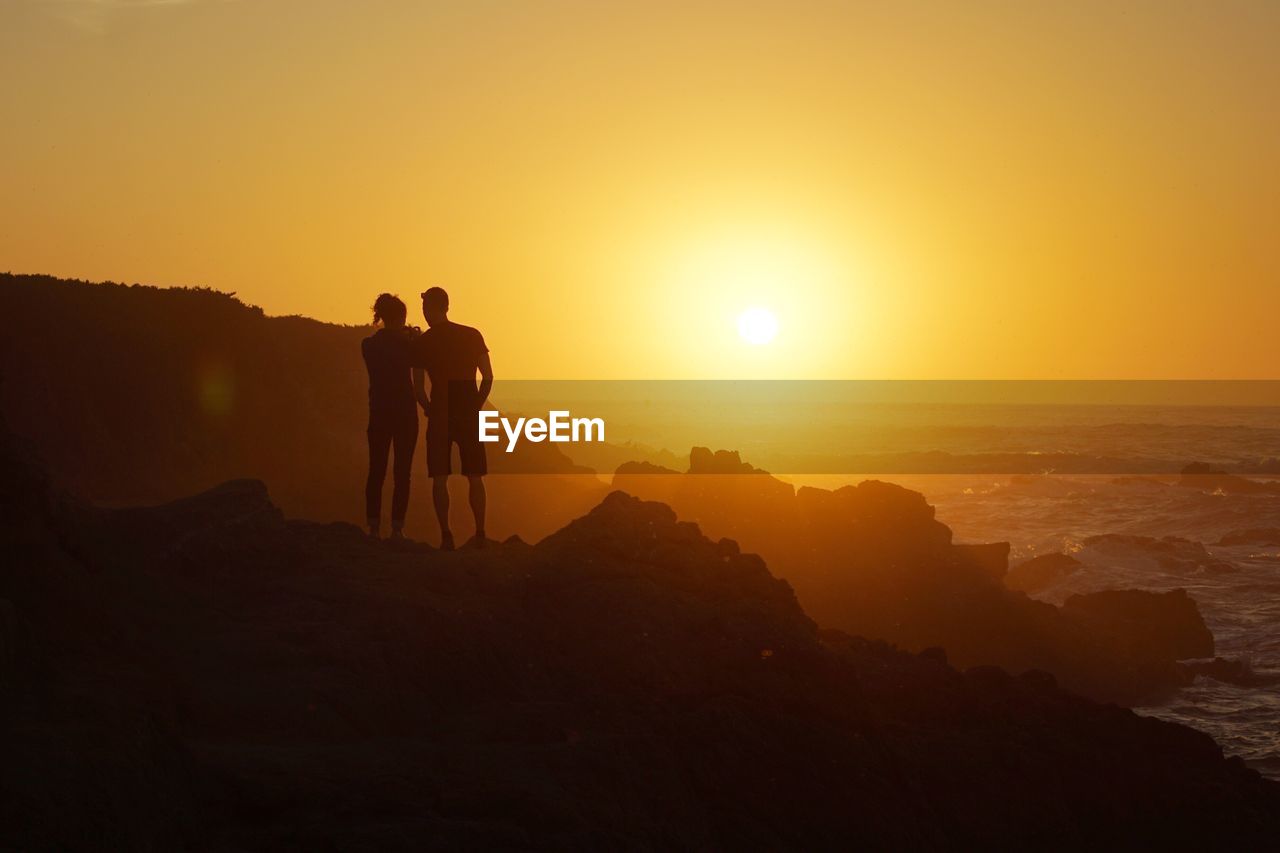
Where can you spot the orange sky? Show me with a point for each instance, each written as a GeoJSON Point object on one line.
{"type": "Point", "coordinates": [922, 190]}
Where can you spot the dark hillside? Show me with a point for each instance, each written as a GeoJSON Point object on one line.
{"type": "Point", "coordinates": [208, 675]}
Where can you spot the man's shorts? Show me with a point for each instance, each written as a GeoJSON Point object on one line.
{"type": "Point", "coordinates": [442, 434]}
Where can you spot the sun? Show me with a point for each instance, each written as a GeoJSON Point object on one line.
{"type": "Point", "coordinates": [757, 326]}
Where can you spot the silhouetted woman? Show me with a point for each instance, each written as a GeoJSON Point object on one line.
{"type": "Point", "coordinates": [394, 392]}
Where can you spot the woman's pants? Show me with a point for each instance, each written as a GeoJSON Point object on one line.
{"type": "Point", "coordinates": [400, 432]}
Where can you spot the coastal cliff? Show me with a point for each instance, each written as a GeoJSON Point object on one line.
{"type": "Point", "coordinates": [211, 675]}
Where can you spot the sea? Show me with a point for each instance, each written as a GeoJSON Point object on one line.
{"type": "Point", "coordinates": [1132, 528]}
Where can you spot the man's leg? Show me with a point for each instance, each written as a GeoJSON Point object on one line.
{"type": "Point", "coordinates": [476, 495]}
{"type": "Point", "coordinates": [438, 450]}
{"type": "Point", "coordinates": [474, 467]}
{"type": "Point", "coordinates": [440, 497]}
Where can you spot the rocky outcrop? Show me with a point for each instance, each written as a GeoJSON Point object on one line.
{"type": "Point", "coordinates": [990, 558]}
{"type": "Point", "coordinates": [1040, 572]}
{"type": "Point", "coordinates": [724, 488]}
{"type": "Point", "coordinates": [1171, 553]}
{"type": "Point", "coordinates": [873, 560]}
{"type": "Point", "coordinates": [1232, 671]}
{"type": "Point", "coordinates": [10, 641]}
{"type": "Point", "coordinates": [1151, 626]}
{"type": "Point", "coordinates": [1266, 536]}
{"type": "Point", "coordinates": [210, 675]}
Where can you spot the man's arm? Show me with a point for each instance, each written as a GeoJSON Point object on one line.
{"type": "Point", "coordinates": [486, 377]}
{"type": "Point", "coordinates": [420, 390]}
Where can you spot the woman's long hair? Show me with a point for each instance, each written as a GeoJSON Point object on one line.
{"type": "Point", "coordinates": [388, 306]}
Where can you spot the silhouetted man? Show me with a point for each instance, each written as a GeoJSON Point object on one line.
{"type": "Point", "coordinates": [452, 354]}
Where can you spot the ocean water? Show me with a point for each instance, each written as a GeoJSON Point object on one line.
{"type": "Point", "coordinates": [1237, 587]}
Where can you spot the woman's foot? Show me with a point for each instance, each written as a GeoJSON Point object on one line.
{"type": "Point", "coordinates": [375, 528]}
{"type": "Point", "coordinates": [446, 541]}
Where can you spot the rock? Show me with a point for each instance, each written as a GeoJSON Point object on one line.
{"type": "Point", "coordinates": [703, 461]}
{"type": "Point", "coordinates": [10, 640]}
{"type": "Point", "coordinates": [934, 653]}
{"type": "Point", "coordinates": [873, 560]}
{"type": "Point", "coordinates": [990, 677]}
{"type": "Point", "coordinates": [648, 468]}
{"type": "Point", "coordinates": [1267, 537]}
{"type": "Point", "coordinates": [1039, 678]}
{"type": "Point", "coordinates": [1172, 553]}
{"type": "Point", "coordinates": [1152, 626]}
{"type": "Point", "coordinates": [991, 559]}
{"type": "Point", "coordinates": [1230, 672]}
{"type": "Point", "coordinates": [1041, 572]}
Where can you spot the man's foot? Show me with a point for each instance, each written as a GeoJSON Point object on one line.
{"type": "Point", "coordinates": [375, 529]}
{"type": "Point", "coordinates": [478, 541]}
{"type": "Point", "coordinates": [446, 541]}
{"type": "Point", "coordinates": [397, 534]}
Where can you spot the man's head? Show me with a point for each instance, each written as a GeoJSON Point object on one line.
{"type": "Point", "coordinates": [435, 305]}
{"type": "Point", "coordinates": [389, 310]}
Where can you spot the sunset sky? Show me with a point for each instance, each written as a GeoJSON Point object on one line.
{"type": "Point", "coordinates": [913, 189]}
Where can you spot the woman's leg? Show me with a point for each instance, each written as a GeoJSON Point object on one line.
{"type": "Point", "coordinates": [379, 448]}
{"type": "Point", "coordinates": [406, 440]}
